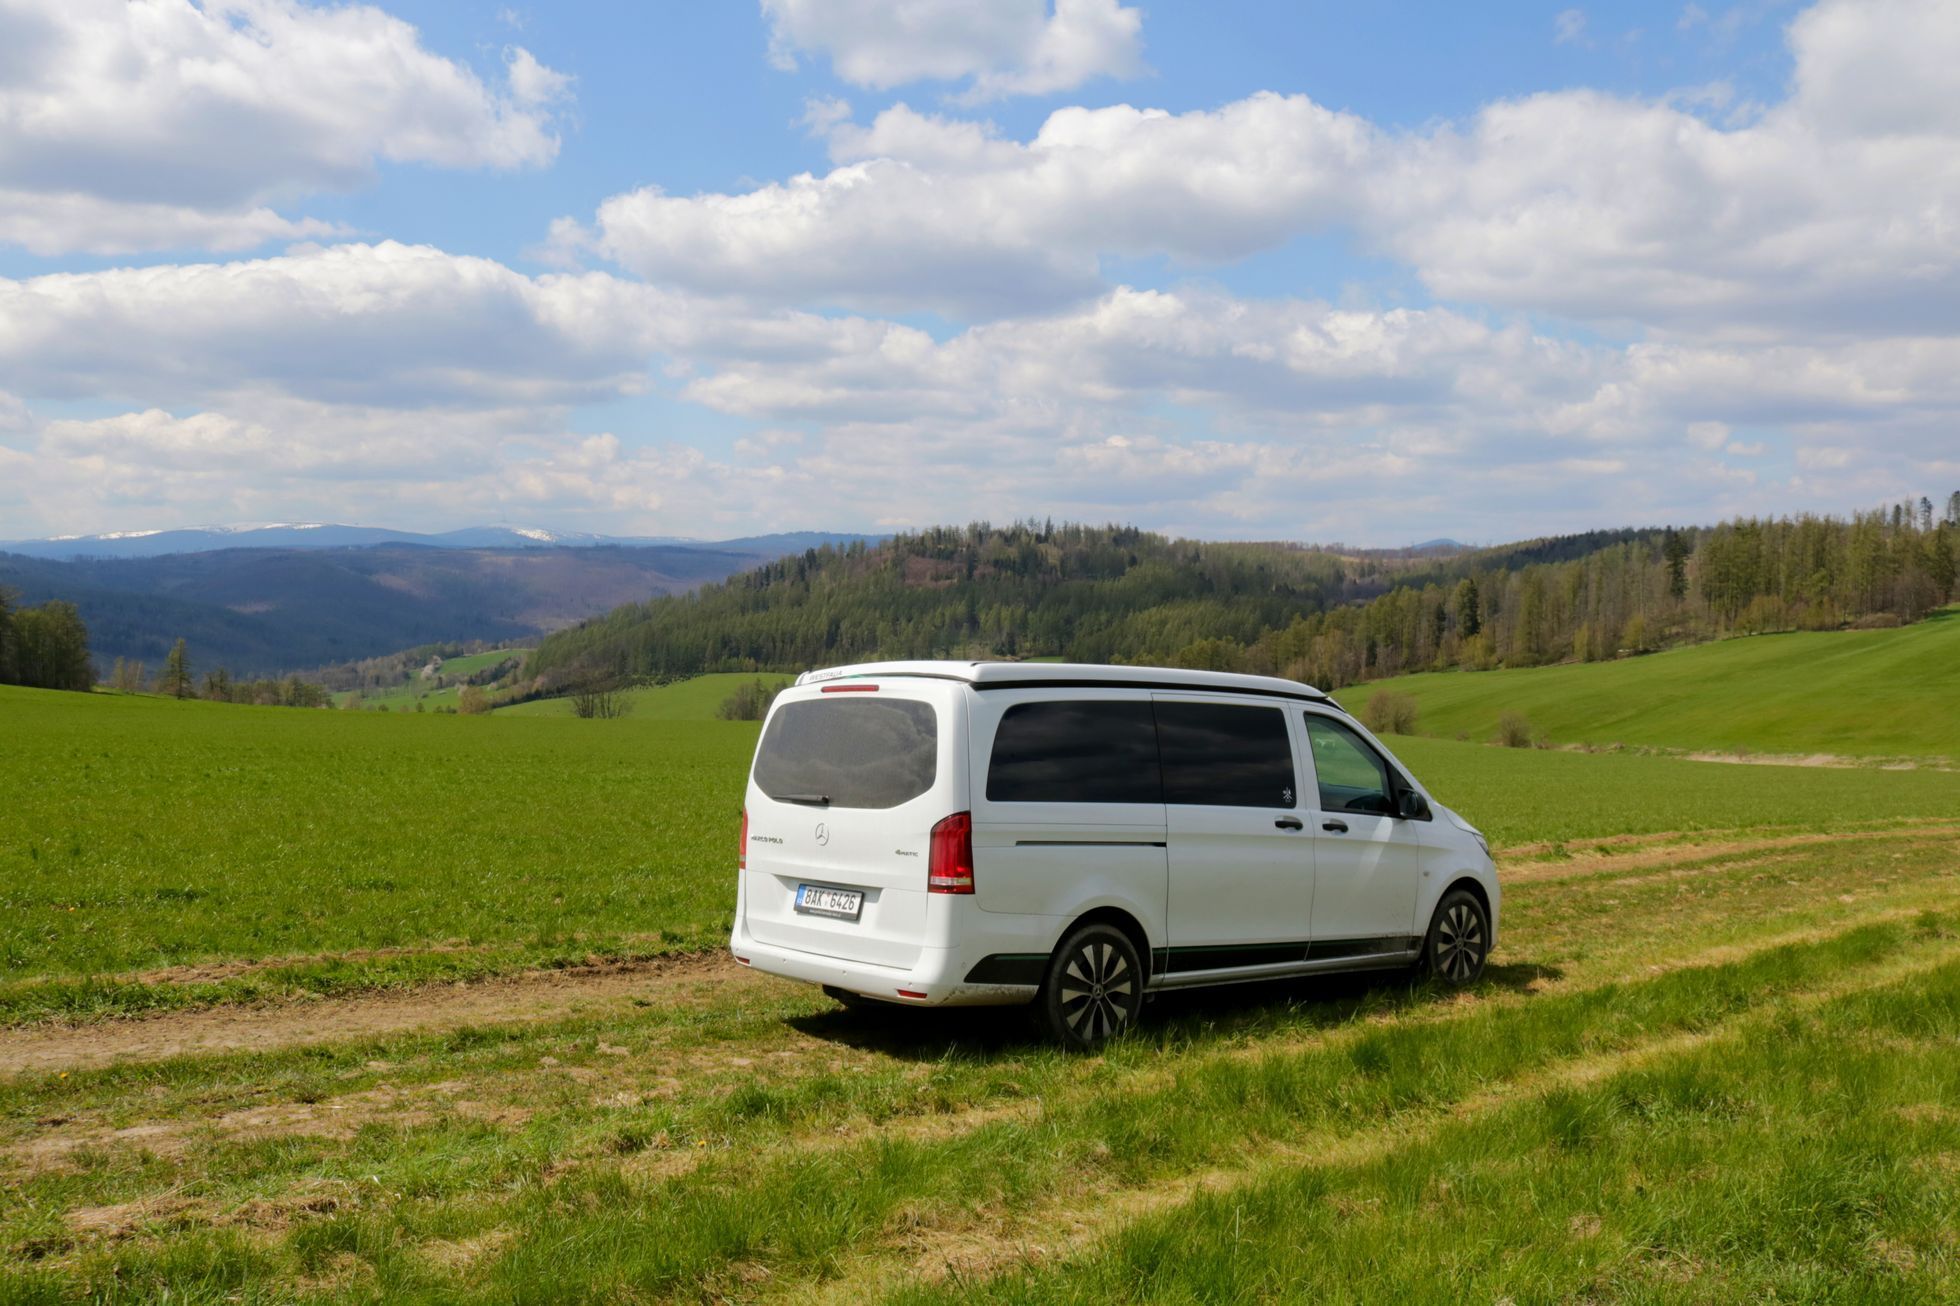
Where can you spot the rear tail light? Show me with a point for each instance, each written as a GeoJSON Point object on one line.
{"type": "Point", "coordinates": [742, 845]}
{"type": "Point", "coordinates": [950, 869]}
{"type": "Point", "coordinates": [850, 689]}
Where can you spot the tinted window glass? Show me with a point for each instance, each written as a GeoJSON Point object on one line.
{"type": "Point", "coordinates": [855, 750]}
{"type": "Point", "coordinates": [1352, 776]}
{"type": "Point", "coordinates": [1075, 753]}
{"type": "Point", "coordinates": [1225, 754]}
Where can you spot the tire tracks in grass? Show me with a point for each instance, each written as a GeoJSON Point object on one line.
{"type": "Point", "coordinates": [966, 1252]}
{"type": "Point", "coordinates": [1019, 1162]}
{"type": "Point", "coordinates": [1683, 851]}
{"type": "Point", "coordinates": [80, 999]}
{"type": "Point", "coordinates": [779, 1155]}
{"type": "Point", "coordinates": [532, 995]}
{"type": "Point", "coordinates": [392, 1106]}
{"type": "Point", "coordinates": [490, 1094]}
{"type": "Point", "coordinates": [698, 978]}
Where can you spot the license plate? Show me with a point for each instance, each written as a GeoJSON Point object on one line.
{"type": "Point", "coordinates": [817, 900]}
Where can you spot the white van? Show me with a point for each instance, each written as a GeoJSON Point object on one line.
{"type": "Point", "coordinates": [968, 833]}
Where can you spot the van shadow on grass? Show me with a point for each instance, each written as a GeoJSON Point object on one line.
{"type": "Point", "coordinates": [1180, 1019]}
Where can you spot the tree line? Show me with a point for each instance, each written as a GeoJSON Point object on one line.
{"type": "Point", "coordinates": [177, 678]}
{"type": "Point", "coordinates": [44, 647]}
{"type": "Point", "coordinates": [1328, 616]}
{"type": "Point", "coordinates": [1658, 589]}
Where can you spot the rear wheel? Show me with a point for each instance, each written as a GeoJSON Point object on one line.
{"type": "Point", "coordinates": [1094, 987]}
{"type": "Point", "coordinates": [1458, 940]}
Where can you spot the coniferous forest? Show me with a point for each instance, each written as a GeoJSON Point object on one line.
{"type": "Point", "coordinates": [44, 647]}
{"type": "Point", "coordinates": [1328, 616]}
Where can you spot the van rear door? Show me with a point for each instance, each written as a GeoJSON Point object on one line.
{"type": "Point", "coordinates": [849, 779]}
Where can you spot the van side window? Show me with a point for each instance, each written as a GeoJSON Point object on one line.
{"type": "Point", "coordinates": [1353, 777]}
{"type": "Point", "coordinates": [1225, 755]}
{"type": "Point", "coordinates": [1075, 752]}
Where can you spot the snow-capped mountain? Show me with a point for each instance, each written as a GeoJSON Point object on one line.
{"type": "Point", "coordinates": [332, 535]}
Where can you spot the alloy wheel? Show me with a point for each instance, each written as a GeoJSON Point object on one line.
{"type": "Point", "coordinates": [1459, 943]}
{"type": "Point", "coordinates": [1096, 990]}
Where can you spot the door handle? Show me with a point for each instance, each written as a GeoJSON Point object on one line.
{"type": "Point", "coordinates": [1334, 827]}
{"type": "Point", "coordinates": [1289, 823]}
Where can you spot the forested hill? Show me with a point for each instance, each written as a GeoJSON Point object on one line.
{"type": "Point", "coordinates": [1092, 593]}
{"type": "Point", "coordinates": [1117, 594]}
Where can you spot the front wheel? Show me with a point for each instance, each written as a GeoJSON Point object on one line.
{"type": "Point", "coordinates": [1094, 987]}
{"type": "Point", "coordinates": [1458, 939]}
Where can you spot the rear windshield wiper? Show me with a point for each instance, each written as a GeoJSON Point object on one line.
{"type": "Point", "coordinates": [808, 800]}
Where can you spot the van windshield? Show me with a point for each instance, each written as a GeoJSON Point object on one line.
{"type": "Point", "coordinates": [849, 751]}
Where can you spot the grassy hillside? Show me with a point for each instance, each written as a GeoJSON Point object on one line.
{"type": "Point", "coordinates": [698, 698]}
{"type": "Point", "coordinates": [471, 663]}
{"type": "Point", "coordinates": [1870, 693]}
{"type": "Point", "coordinates": [415, 689]}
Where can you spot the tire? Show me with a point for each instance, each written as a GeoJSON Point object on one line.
{"type": "Point", "coordinates": [1458, 940]}
{"type": "Point", "coordinates": [1093, 989]}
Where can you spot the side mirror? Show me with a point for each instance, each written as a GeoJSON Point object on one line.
{"type": "Point", "coordinates": [1411, 806]}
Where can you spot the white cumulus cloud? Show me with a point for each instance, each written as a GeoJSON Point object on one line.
{"type": "Point", "coordinates": [1829, 211]}
{"type": "Point", "coordinates": [144, 124]}
{"type": "Point", "coordinates": [939, 213]}
{"type": "Point", "coordinates": [999, 48]}
{"type": "Point", "coordinates": [391, 324]}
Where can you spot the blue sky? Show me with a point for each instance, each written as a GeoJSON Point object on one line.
{"type": "Point", "coordinates": [1308, 271]}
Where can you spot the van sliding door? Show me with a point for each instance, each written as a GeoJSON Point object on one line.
{"type": "Point", "coordinates": [1241, 858]}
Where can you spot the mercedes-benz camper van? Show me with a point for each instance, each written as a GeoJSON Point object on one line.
{"type": "Point", "coordinates": [967, 833]}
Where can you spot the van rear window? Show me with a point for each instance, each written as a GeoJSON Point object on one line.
{"type": "Point", "coordinates": [849, 751]}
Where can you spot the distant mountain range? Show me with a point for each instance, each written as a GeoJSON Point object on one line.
{"type": "Point", "coordinates": [330, 535]}
{"type": "Point", "coordinates": [272, 598]}
{"type": "Point", "coordinates": [269, 610]}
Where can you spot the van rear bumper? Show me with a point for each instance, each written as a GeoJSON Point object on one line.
{"type": "Point", "coordinates": [938, 976]}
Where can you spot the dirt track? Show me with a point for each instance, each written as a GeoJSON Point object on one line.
{"type": "Point", "coordinates": [535, 995]}
{"type": "Point", "coordinates": [695, 979]}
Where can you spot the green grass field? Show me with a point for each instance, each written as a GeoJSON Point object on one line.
{"type": "Point", "coordinates": [1867, 693]}
{"type": "Point", "coordinates": [397, 1023]}
{"type": "Point", "coordinates": [1744, 1089]}
{"type": "Point", "coordinates": [697, 699]}
{"type": "Point", "coordinates": [148, 833]}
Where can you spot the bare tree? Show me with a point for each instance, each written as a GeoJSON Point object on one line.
{"type": "Point", "coordinates": [603, 700]}
{"type": "Point", "coordinates": [1390, 713]}
{"type": "Point", "coordinates": [128, 676]}
{"type": "Point", "coordinates": [749, 702]}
